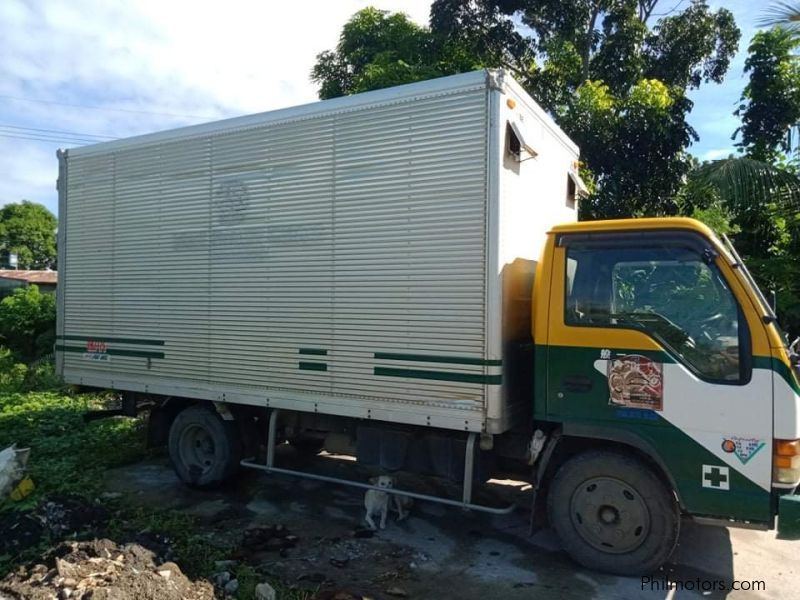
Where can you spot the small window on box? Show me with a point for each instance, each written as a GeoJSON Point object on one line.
{"type": "Point", "coordinates": [512, 142]}
{"type": "Point", "coordinates": [571, 199]}
{"type": "Point", "coordinates": [519, 142]}
{"type": "Point", "coordinates": [575, 189]}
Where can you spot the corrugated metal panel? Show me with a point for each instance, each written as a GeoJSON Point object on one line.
{"type": "Point", "coordinates": [352, 233]}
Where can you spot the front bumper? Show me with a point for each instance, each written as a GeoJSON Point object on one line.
{"type": "Point", "coordinates": [789, 516]}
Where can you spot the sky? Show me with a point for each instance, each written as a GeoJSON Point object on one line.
{"type": "Point", "coordinates": [79, 71]}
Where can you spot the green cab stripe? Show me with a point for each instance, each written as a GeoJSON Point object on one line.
{"type": "Point", "coordinates": [110, 340]}
{"type": "Point", "coordinates": [313, 366]}
{"type": "Point", "coordinates": [661, 356]}
{"type": "Point", "coordinates": [439, 375]}
{"type": "Point", "coordinates": [313, 351]}
{"type": "Point", "coordinates": [111, 351]}
{"type": "Point", "coordinates": [456, 360]}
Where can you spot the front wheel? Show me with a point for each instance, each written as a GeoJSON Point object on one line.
{"type": "Point", "coordinates": [613, 514]}
{"type": "Point", "coordinates": [205, 449]}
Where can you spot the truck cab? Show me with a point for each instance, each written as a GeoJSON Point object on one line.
{"type": "Point", "coordinates": [655, 347]}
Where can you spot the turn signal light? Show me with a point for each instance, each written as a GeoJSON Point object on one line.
{"type": "Point", "coordinates": [786, 461]}
{"type": "Point", "coordinates": [787, 447]}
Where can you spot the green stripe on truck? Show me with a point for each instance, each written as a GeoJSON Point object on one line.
{"type": "Point", "coordinates": [111, 351]}
{"type": "Point", "coordinates": [313, 366]}
{"type": "Point", "coordinates": [439, 375]}
{"type": "Point", "coordinates": [456, 360]}
{"type": "Point", "coordinates": [110, 340]}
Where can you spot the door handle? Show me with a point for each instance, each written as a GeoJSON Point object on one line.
{"type": "Point", "coordinates": [578, 384]}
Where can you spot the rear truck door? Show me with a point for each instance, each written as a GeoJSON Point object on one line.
{"type": "Point", "coordinates": [653, 342]}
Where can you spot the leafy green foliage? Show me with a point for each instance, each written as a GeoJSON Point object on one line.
{"type": "Point", "coordinates": [28, 230]}
{"type": "Point", "coordinates": [718, 218]}
{"type": "Point", "coordinates": [770, 107]}
{"type": "Point", "coordinates": [379, 49]}
{"type": "Point", "coordinates": [68, 456]}
{"type": "Point", "coordinates": [634, 144]}
{"type": "Point", "coordinates": [12, 373]}
{"type": "Point", "coordinates": [27, 322]}
{"type": "Point", "coordinates": [615, 82]}
{"type": "Point", "coordinates": [760, 203]}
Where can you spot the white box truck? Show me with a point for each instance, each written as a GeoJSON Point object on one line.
{"type": "Point", "coordinates": [384, 275]}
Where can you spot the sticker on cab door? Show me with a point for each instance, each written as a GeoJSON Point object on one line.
{"type": "Point", "coordinates": [743, 448]}
{"type": "Point", "coordinates": [635, 381]}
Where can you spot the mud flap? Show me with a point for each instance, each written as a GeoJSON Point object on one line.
{"type": "Point", "coordinates": [789, 517]}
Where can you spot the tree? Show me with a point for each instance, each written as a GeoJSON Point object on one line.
{"type": "Point", "coordinates": [27, 322]}
{"type": "Point", "coordinates": [770, 105]}
{"type": "Point", "coordinates": [28, 230]}
{"type": "Point", "coordinates": [379, 49]}
{"type": "Point", "coordinates": [760, 201]}
{"type": "Point", "coordinates": [616, 83]}
{"type": "Point", "coordinates": [760, 190]}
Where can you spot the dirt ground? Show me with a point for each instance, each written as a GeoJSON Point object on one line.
{"type": "Point", "coordinates": [310, 535]}
{"type": "Point", "coordinates": [102, 570]}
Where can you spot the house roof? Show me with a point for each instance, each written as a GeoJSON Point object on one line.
{"type": "Point", "coordinates": [45, 277]}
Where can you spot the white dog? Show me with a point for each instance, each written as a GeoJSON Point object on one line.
{"type": "Point", "coordinates": [403, 504]}
{"type": "Point", "coordinates": [377, 502]}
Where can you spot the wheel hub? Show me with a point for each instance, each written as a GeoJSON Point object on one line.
{"type": "Point", "coordinates": [196, 449]}
{"type": "Point", "coordinates": [609, 515]}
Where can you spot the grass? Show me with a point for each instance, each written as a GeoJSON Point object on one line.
{"type": "Point", "coordinates": [71, 457]}
{"type": "Point", "coordinates": [68, 456]}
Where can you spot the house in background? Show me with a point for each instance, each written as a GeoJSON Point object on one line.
{"type": "Point", "coordinates": [11, 280]}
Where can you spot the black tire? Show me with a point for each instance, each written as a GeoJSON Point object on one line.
{"type": "Point", "coordinates": [205, 449]}
{"type": "Point", "coordinates": [630, 530]}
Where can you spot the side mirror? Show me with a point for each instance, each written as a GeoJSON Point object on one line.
{"type": "Point", "coordinates": [773, 300]}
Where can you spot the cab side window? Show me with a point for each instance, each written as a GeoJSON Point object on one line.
{"type": "Point", "coordinates": [671, 292]}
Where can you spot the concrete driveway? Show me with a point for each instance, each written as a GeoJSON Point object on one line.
{"type": "Point", "coordinates": [441, 552]}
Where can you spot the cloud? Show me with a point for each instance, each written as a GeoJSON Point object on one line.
{"type": "Point", "coordinates": [167, 63]}
{"type": "Point", "coordinates": [716, 154]}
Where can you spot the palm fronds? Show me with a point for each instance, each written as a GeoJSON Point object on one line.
{"type": "Point", "coordinates": [784, 13]}
{"type": "Point", "coordinates": [744, 182]}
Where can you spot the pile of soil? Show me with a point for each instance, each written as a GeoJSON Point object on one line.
{"type": "Point", "coordinates": [56, 519]}
{"type": "Point", "coordinates": [102, 570]}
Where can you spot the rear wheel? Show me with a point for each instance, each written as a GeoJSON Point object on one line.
{"type": "Point", "coordinates": [205, 449]}
{"type": "Point", "coordinates": [613, 514]}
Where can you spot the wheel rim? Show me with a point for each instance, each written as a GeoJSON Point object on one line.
{"type": "Point", "coordinates": [196, 449]}
{"type": "Point", "coordinates": [609, 515]}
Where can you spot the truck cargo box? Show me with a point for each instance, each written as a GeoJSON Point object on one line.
{"type": "Point", "coordinates": [369, 256]}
